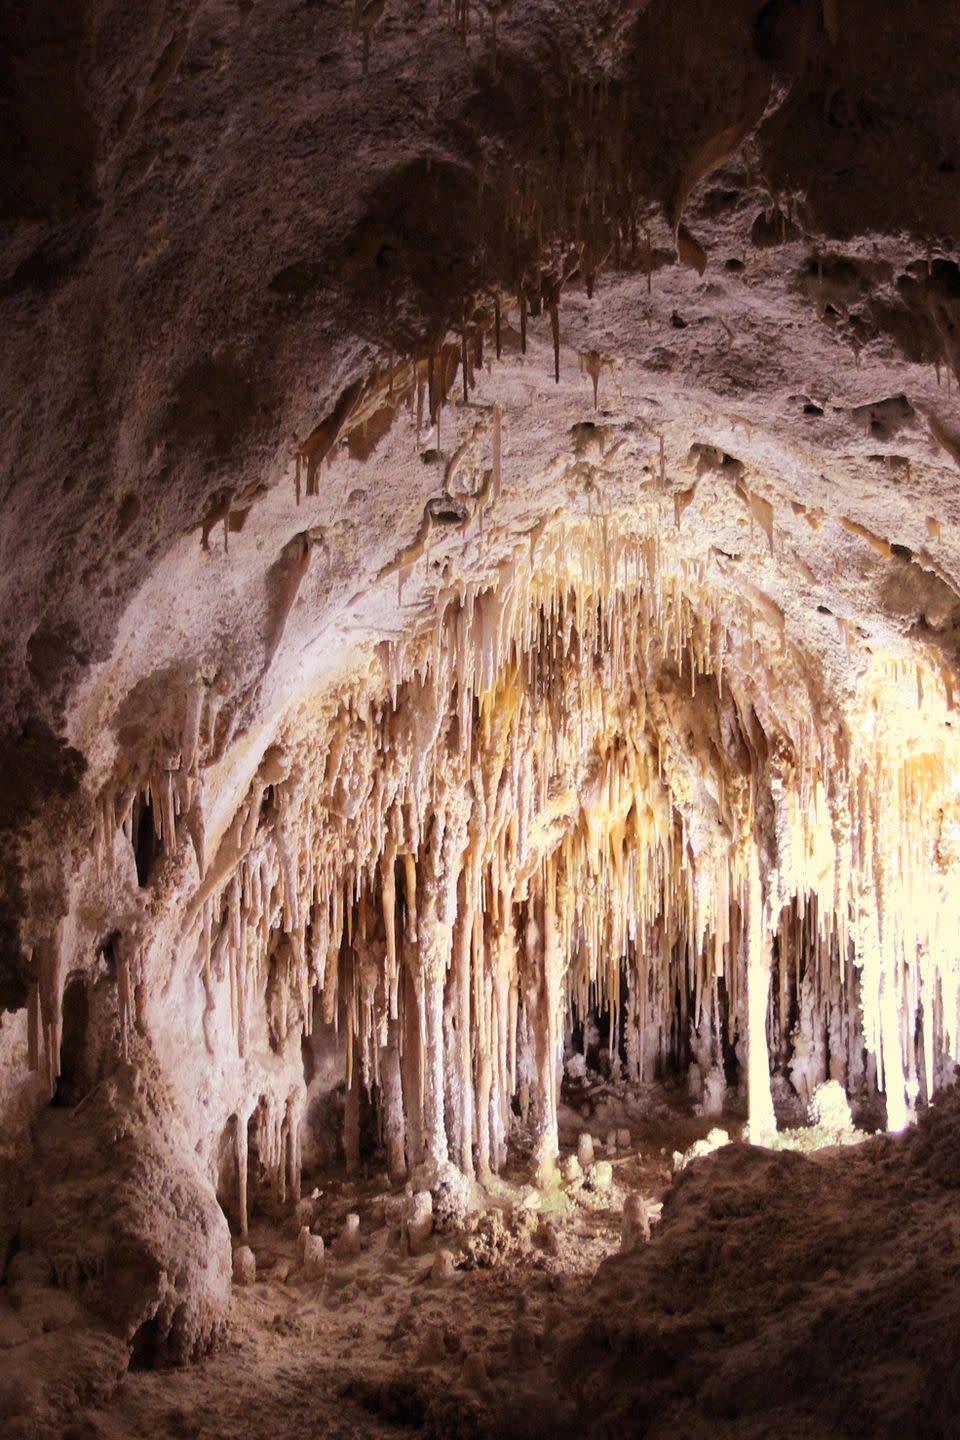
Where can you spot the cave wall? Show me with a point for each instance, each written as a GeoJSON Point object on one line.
{"type": "Point", "coordinates": [319, 340]}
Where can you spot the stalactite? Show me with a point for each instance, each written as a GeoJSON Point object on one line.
{"type": "Point", "coordinates": [554, 309]}
{"type": "Point", "coordinates": [597, 779]}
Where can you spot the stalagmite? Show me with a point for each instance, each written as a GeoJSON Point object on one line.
{"type": "Point", "coordinates": [635, 1228]}
{"type": "Point", "coordinates": [417, 1224]}
{"type": "Point", "coordinates": [348, 1242]}
{"type": "Point", "coordinates": [393, 1122]}
{"type": "Point", "coordinates": [244, 1266]}
{"type": "Point", "coordinates": [314, 1256]}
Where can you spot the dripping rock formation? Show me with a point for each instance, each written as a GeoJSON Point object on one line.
{"type": "Point", "coordinates": [480, 579]}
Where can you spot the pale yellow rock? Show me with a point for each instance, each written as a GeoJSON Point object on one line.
{"type": "Point", "coordinates": [600, 1175]}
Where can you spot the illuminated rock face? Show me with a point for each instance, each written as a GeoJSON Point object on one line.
{"type": "Point", "coordinates": [478, 552]}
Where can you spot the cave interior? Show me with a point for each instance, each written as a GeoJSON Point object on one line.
{"type": "Point", "coordinates": [480, 821]}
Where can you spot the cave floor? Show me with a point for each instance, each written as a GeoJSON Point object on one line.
{"type": "Point", "coordinates": [471, 1335]}
{"type": "Point", "coordinates": [380, 1342]}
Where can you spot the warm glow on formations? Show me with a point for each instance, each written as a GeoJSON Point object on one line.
{"type": "Point", "coordinates": [479, 721]}
{"type": "Point", "coordinates": [600, 779]}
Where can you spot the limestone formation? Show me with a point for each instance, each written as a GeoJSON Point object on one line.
{"type": "Point", "coordinates": [244, 1266]}
{"type": "Point", "coordinates": [348, 1242]}
{"type": "Point", "coordinates": [636, 1223]}
{"type": "Point", "coordinates": [417, 1224]}
{"type": "Point", "coordinates": [480, 579]}
{"type": "Point", "coordinates": [312, 1257]}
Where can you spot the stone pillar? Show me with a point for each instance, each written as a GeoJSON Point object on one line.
{"type": "Point", "coordinates": [762, 1122]}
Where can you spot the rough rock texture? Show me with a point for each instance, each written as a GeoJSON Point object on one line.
{"type": "Point", "coordinates": [478, 540]}
{"type": "Point", "coordinates": [779, 1295]}
{"type": "Point", "coordinates": [121, 1214]}
{"type": "Point", "coordinates": [782, 1293]}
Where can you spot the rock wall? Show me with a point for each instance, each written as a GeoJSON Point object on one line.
{"type": "Point", "coordinates": [478, 542]}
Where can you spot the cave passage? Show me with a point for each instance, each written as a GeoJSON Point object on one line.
{"type": "Point", "coordinates": [591, 791]}
{"type": "Point", "coordinates": [479, 735]}
{"type": "Point", "coordinates": [582, 880]}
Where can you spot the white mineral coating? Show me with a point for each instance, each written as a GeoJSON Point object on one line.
{"type": "Point", "coordinates": [576, 1066]}
{"type": "Point", "coordinates": [829, 1108]}
{"type": "Point", "coordinates": [297, 735]}
{"type": "Point", "coordinates": [600, 1175]}
{"type": "Point", "coordinates": [715, 1140]}
{"type": "Point", "coordinates": [571, 1169]}
{"type": "Point", "coordinates": [453, 1194]}
{"type": "Point", "coordinates": [714, 1092]}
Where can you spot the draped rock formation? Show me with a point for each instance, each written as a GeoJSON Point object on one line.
{"type": "Point", "coordinates": [478, 555]}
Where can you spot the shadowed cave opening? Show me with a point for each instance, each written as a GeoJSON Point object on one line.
{"type": "Point", "coordinates": [143, 1346]}
{"type": "Point", "coordinates": [145, 841]}
{"type": "Point", "coordinates": [73, 1082]}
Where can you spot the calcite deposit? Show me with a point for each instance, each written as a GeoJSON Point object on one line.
{"type": "Point", "coordinates": [480, 571]}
